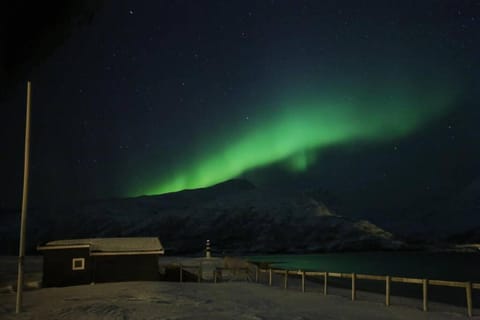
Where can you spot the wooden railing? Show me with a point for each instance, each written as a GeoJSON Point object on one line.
{"type": "Point", "coordinates": [468, 286]}
{"type": "Point", "coordinates": [182, 268]}
{"type": "Point", "coordinates": [216, 273]}
{"type": "Point", "coordinates": [425, 283]}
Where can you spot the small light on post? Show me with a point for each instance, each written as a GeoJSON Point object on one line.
{"type": "Point", "coordinates": [208, 253]}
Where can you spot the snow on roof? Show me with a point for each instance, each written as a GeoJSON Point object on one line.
{"type": "Point", "coordinates": [111, 244]}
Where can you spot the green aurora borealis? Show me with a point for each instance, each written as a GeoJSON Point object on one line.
{"type": "Point", "coordinates": [298, 127]}
{"type": "Point", "coordinates": [306, 90]}
{"type": "Point", "coordinates": [374, 102]}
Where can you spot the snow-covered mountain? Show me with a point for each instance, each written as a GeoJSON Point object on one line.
{"type": "Point", "coordinates": [235, 215]}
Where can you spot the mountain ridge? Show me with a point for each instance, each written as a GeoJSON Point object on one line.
{"type": "Point", "coordinates": [235, 215]}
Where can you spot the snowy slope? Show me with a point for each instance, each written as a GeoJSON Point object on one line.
{"type": "Point", "coordinates": [235, 216]}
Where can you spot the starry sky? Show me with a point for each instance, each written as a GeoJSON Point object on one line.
{"type": "Point", "coordinates": [376, 101]}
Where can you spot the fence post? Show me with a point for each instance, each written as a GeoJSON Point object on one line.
{"type": "Point", "coordinates": [354, 292]}
{"type": "Point", "coordinates": [425, 294]}
{"type": "Point", "coordinates": [181, 272]}
{"type": "Point", "coordinates": [270, 277]}
{"type": "Point", "coordinates": [387, 291]}
{"type": "Point", "coordinates": [468, 289]}
{"type": "Point", "coordinates": [303, 281]}
{"type": "Point", "coordinates": [285, 281]}
{"type": "Point", "coordinates": [325, 282]}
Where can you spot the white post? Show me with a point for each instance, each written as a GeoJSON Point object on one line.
{"type": "Point", "coordinates": [208, 253]}
{"type": "Point", "coordinates": [23, 219]}
{"type": "Point", "coordinates": [387, 290]}
{"type": "Point", "coordinates": [425, 294]}
{"type": "Point", "coordinates": [303, 281]}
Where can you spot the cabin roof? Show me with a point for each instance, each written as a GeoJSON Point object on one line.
{"type": "Point", "coordinates": [109, 245]}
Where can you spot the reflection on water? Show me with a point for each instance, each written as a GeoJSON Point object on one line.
{"type": "Point", "coordinates": [439, 265]}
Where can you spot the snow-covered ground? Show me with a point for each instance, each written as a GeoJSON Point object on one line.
{"type": "Point", "coordinates": [206, 300]}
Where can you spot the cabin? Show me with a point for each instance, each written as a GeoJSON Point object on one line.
{"type": "Point", "coordinates": [85, 261]}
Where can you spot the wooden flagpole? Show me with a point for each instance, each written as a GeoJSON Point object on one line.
{"type": "Point", "coordinates": [23, 220]}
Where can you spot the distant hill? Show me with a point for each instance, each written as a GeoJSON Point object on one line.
{"type": "Point", "coordinates": [235, 215]}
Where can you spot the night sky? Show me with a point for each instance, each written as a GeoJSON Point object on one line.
{"type": "Point", "coordinates": [375, 101]}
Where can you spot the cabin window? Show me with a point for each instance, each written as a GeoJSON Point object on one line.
{"type": "Point", "coordinates": [78, 264]}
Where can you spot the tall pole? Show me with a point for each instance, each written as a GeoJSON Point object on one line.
{"type": "Point", "coordinates": [23, 220]}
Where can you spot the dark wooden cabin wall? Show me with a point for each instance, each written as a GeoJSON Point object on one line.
{"type": "Point", "coordinates": [126, 268]}
{"type": "Point", "coordinates": [57, 267]}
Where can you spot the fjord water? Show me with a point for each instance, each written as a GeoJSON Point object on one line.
{"type": "Point", "coordinates": [454, 266]}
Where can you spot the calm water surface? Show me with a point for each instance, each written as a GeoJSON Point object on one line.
{"type": "Point", "coordinates": [441, 266]}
